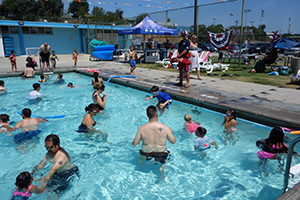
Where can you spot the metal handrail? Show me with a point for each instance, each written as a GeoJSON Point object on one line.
{"type": "Point", "coordinates": [288, 163]}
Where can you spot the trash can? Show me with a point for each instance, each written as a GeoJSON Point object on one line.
{"type": "Point", "coordinates": [162, 53]}
{"type": "Point", "coordinates": [295, 64]}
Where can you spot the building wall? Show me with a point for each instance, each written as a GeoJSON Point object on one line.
{"type": "Point", "coordinates": [63, 40]}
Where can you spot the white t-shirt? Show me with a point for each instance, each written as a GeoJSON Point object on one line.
{"type": "Point", "coordinates": [203, 143]}
{"type": "Point", "coordinates": [34, 95]}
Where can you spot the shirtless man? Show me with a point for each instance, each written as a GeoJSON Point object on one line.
{"type": "Point", "coordinates": [154, 136]}
{"type": "Point", "coordinates": [132, 55]}
{"type": "Point", "coordinates": [45, 54]}
{"type": "Point", "coordinates": [28, 72]}
{"type": "Point", "coordinates": [63, 170]}
{"type": "Point", "coordinates": [28, 125]}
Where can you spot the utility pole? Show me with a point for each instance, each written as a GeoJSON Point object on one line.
{"type": "Point", "coordinates": [195, 17]}
{"type": "Point", "coordinates": [246, 11]}
{"type": "Point", "coordinates": [252, 23]}
{"type": "Point", "coordinates": [214, 21]}
{"type": "Point", "coordinates": [242, 32]}
{"type": "Point", "coordinates": [231, 14]}
{"type": "Point", "coordinates": [289, 31]}
{"type": "Point", "coordinates": [236, 23]}
{"type": "Point", "coordinates": [261, 16]}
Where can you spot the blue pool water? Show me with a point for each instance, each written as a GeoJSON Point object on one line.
{"type": "Point", "coordinates": [110, 171]}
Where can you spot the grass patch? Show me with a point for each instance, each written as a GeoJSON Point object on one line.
{"type": "Point", "coordinates": [242, 71]}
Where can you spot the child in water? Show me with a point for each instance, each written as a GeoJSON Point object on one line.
{"type": "Point", "coordinates": [190, 125]}
{"type": "Point", "coordinates": [203, 142]}
{"type": "Point", "coordinates": [229, 121]}
{"type": "Point", "coordinates": [42, 79]}
{"type": "Point", "coordinates": [164, 100]}
{"type": "Point", "coordinates": [59, 78]}
{"type": "Point", "coordinates": [4, 118]}
{"type": "Point", "coordinates": [70, 85]}
{"type": "Point", "coordinates": [25, 189]}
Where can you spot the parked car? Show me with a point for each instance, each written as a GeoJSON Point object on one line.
{"type": "Point", "coordinates": [293, 51]}
{"type": "Point", "coordinates": [244, 50]}
{"type": "Point", "coordinates": [204, 46]}
{"type": "Point", "coordinates": [213, 48]}
{"type": "Point", "coordinates": [259, 48]}
{"type": "Point", "coordinates": [230, 47]}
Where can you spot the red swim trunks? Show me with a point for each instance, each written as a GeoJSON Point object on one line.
{"type": "Point", "coordinates": [183, 64]}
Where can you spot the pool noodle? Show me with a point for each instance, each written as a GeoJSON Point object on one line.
{"type": "Point", "coordinates": [129, 76]}
{"type": "Point", "coordinates": [54, 116]}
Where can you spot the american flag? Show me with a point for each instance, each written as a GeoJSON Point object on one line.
{"type": "Point", "coordinates": [231, 14]}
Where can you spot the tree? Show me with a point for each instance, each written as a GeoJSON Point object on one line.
{"type": "Point", "coordinates": [78, 8]}
{"type": "Point", "coordinates": [98, 14]}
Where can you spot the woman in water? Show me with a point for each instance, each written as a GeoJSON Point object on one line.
{"type": "Point", "coordinates": [97, 99]}
{"type": "Point", "coordinates": [96, 79]}
{"type": "Point", "coordinates": [88, 121]}
{"type": "Point", "coordinates": [24, 190]}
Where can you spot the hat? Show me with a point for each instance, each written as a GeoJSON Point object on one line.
{"type": "Point", "coordinates": [184, 32]}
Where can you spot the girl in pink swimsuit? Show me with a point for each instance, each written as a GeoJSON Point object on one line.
{"type": "Point", "coordinates": [25, 189]}
{"type": "Point", "coordinates": [190, 125]}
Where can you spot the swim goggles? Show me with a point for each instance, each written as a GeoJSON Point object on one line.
{"type": "Point", "coordinates": [155, 93]}
{"type": "Point", "coordinates": [48, 147]}
{"type": "Point", "coordinates": [229, 114]}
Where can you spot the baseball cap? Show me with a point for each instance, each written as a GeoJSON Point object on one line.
{"type": "Point", "coordinates": [184, 32]}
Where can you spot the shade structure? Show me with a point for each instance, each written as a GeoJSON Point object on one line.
{"type": "Point", "coordinates": [148, 26]}
{"type": "Point", "coordinates": [284, 43]}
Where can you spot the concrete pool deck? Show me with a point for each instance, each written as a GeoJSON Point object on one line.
{"type": "Point", "coordinates": [256, 102]}
{"type": "Point", "coordinates": [260, 103]}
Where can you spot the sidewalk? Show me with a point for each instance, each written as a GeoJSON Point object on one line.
{"type": "Point", "coordinates": [252, 101]}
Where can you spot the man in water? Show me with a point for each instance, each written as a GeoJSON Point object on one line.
{"type": "Point", "coordinates": [154, 136]}
{"type": "Point", "coordinates": [28, 125]}
{"type": "Point", "coordinates": [63, 170]}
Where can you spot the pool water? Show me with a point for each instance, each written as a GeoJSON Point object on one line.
{"type": "Point", "coordinates": [109, 171]}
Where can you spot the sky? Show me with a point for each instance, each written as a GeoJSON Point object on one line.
{"type": "Point", "coordinates": [277, 13]}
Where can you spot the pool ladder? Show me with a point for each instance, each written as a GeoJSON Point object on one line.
{"type": "Point", "coordinates": [295, 170]}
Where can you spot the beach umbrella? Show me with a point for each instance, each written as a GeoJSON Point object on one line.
{"type": "Point", "coordinates": [284, 43]}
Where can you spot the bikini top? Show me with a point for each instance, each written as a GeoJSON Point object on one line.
{"type": "Point", "coordinates": [23, 193]}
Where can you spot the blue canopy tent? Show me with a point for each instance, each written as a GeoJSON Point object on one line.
{"type": "Point", "coordinates": [148, 27]}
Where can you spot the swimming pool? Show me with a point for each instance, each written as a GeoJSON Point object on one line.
{"type": "Point", "coordinates": [110, 171]}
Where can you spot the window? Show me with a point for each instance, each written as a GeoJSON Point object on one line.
{"type": "Point", "coordinates": [41, 30]}
{"type": "Point", "coordinates": [48, 31]}
{"type": "Point", "coordinates": [33, 30]}
{"type": "Point", "coordinates": [25, 30]}
{"type": "Point", "coordinates": [13, 29]}
{"type": "Point", "coordinates": [4, 29]}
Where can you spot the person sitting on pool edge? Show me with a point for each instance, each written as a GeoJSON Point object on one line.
{"type": "Point", "coordinates": [63, 171]}
{"type": "Point", "coordinates": [28, 72]}
{"type": "Point", "coordinates": [97, 99]}
{"type": "Point", "coordinates": [35, 93]}
{"type": "Point", "coordinates": [154, 136]}
{"type": "Point", "coordinates": [164, 100]}
{"type": "Point", "coordinates": [28, 125]}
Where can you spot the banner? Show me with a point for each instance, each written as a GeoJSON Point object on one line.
{"type": "Point", "coordinates": [219, 40]}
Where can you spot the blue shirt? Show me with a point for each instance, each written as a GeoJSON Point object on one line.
{"type": "Point", "coordinates": [184, 45]}
{"type": "Point", "coordinates": [163, 97]}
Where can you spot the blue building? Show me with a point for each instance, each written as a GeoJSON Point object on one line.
{"type": "Point", "coordinates": [63, 38]}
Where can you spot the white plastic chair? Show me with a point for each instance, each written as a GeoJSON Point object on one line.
{"type": "Point", "coordinates": [205, 62]}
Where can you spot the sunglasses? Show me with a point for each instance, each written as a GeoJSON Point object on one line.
{"type": "Point", "coordinates": [229, 114]}
{"type": "Point", "coordinates": [48, 147]}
